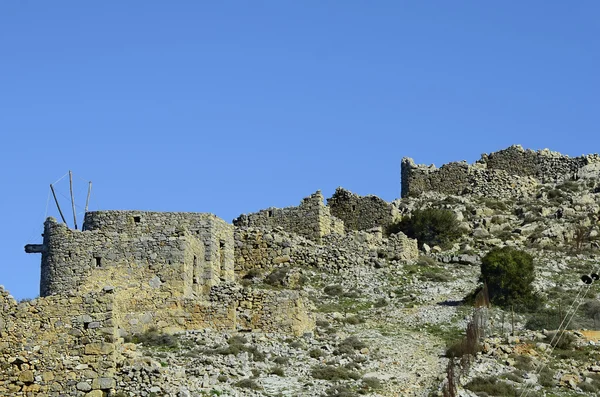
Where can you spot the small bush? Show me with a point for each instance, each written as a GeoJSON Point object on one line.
{"type": "Point", "coordinates": [296, 344]}
{"type": "Point", "coordinates": [277, 371]}
{"type": "Point", "coordinates": [545, 319]}
{"type": "Point", "coordinates": [280, 360]}
{"type": "Point", "coordinates": [237, 340]}
{"type": "Point", "coordinates": [491, 386]}
{"type": "Point", "coordinates": [222, 378]}
{"type": "Point", "coordinates": [252, 274]}
{"type": "Point", "coordinates": [371, 384]}
{"type": "Point", "coordinates": [562, 341]}
{"type": "Point", "coordinates": [322, 324]}
{"type": "Point", "coordinates": [333, 290]}
{"type": "Point", "coordinates": [277, 277]}
{"type": "Point", "coordinates": [349, 345]}
{"type": "Point", "coordinates": [329, 372]}
{"type": "Point", "coordinates": [316, 353]}
{"type": "Point", "coordinates": [546, 378]}
{"type": "Point", "coordinates": [588, 388]}
{"type": "Point", "coordinates": [354, 320]}
{"type": "Point", "coordinates": [257, 355]}
{"type": "Point", "coordinates": [568, 186]}
{"type": "Point", "coordinates": [248, 384]}
{"type": "Point", "coordinates": [381, 302]}
{"type": "Point", "coordinates": [430, 226]}
{"type": "Point", "coordinates": [153, 338]}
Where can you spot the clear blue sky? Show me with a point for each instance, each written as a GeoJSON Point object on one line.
{"type": "Point", "coordinates": [233, 106]}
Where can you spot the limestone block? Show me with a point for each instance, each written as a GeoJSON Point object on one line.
{"type": "Point", "coordinates": [103, 383]}
{"type": "Point", "coordinates": [84, 386]}
{"type": "Point", "coordinates": [99, 348]}
{"type": "Point", "coordinates": [26, 376]}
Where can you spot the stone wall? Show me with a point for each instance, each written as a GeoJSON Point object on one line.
{"type": "Point", "coordinates": [512, 172]}
{"type": "Point", "coordinates": [189, 251]}
{"type": "Point", "coordinates": [361, 213]}
{"type": "Point", "coordinates": [57, 346]}
{"type": "Point", "coordinates": [311, 219]}
{"type": "Point", "coordinates": [266, 249]}
{"type": "Point", "coordinates": [545, 165]}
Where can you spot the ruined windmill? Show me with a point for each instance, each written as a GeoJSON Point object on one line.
{"type": "Point", "coordinates": [38, 248]}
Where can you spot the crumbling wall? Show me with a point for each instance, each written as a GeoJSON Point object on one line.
{"type": "Point", "coordinates": [311, 219]}
{"type": "Point", "coordinates": [57, 346]}
{"type": "Point", "coordinates": [191, 252]}
{"type": "Point", "coordinates": [361, 213]}
{"type": "Point", "coordinates": [264, 250]}
{"type": "Point", "coordinates": [512, 172]}
{"type": "Point", "coordinates": [545, 165]}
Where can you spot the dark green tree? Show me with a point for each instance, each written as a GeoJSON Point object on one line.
{"type": "Point", "coordinates": [431, 226]}
{"type": "Point", "coordinates": [508, 274]}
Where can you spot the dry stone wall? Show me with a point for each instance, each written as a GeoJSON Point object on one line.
{"type": "Point", "coordinates": [311, 219]}
{"type": "Point", "coordinates": [512, 172]}
{"type": "Point", "coordinates": [58, 346]}
{"type": "Point", "coordinates": [361, 213]}
{"type": "Point", "coordinates": [267, 249]}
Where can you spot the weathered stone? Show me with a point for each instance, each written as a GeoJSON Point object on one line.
{"type": "Point", "coordinates": [99, 348]}
{"type": "Point", "coordinates": [84, 386]}
{"type": "Point", "coordinates": [103, 383]}
{"type": "Point", "coordinates": [26, 376]}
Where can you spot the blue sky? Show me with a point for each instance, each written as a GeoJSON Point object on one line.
{"type": "Point", "coordinates": [233, 106]}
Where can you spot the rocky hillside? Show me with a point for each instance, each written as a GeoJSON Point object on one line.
{"type": "Point", "coordinates": [384, 324]}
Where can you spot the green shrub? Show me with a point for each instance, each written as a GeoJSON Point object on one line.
{"type": "Point", "coordinates": [491, 386]}
{"type": "Point", "coordinates": [281, 360]}
{"type": "Point", "coordinates": [222, 378]}
{"type": "Point", "coordinates": [329, 372]}
{"type": "Point", "coordinates": [277, 277]}
{"type": "Point", "coordinates": [252, 274]}
{"type": "Point", "coordinates": [322, 323]}
{"type": "Point", "coordinates": [371, 384]}
{"type": "Point", "coordinates": [316, 353]}
{"type": "Point", "coordinates": [153, 338]}
{"type": "Point", "coordinates": [354, 320]}
{"type": "Point", "coordinates": [548, 319]}
{"type": "Point", "coordinates": [588, 388]}
{"type": "Point", "coordinates": [248, 384]}
{"type": "Point", "coordinates": [568, 186]}
{"type": "Point", "coordinates": [237, 340]}
{"type": "Point", "coordinates": [508, 274]}
{"type": "Point", "coordinates": [277, 371]}
{"type": "Point", "coordinates": [430, 226]}
{"type": "Point", "coordinates": [333, 290]}
{"type": "Point", "coordinates": [560, 340]}
{"type": "Point", "coordinates": [546, 378]}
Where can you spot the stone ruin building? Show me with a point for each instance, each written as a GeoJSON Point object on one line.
{"type": "Point", "coordinates": [512, 172]}
{"type": "Point", "coordinates": [128, 271]}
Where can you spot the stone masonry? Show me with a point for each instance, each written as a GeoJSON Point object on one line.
{"type": "Point", "coordinates": [129, 271]}
{"type": "Point", "coordinates": [311, 219]}
{"type": "Point", "coordinates": [361, 213]}
{"type": "Point", "coordinates": [512, 172]}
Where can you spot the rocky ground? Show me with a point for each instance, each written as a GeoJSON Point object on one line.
{"type": "Point", "coordinates": [383, 330]}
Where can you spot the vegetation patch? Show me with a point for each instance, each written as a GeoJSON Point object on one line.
{"type": "Point", "coordinates": [155, 339]}
{"type": "Point", "coordinates": [431, 226]}
{"type": "Point", "coordinates": [331, 373]}
{"type": "Point", "coordinates": [491, 386]}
